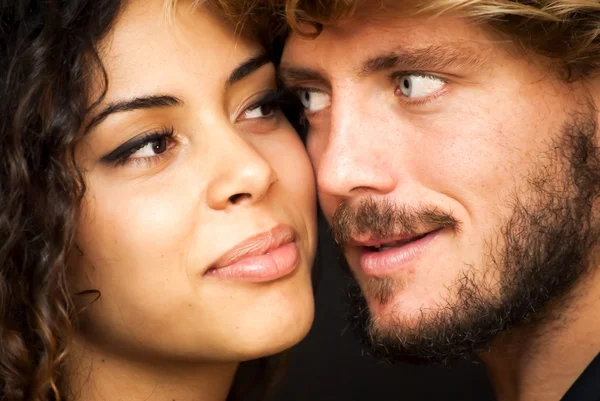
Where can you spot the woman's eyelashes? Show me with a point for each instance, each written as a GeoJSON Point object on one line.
{"type": "Point", "coordinates": [143, 148]}
{"type": "Point", "coordinates": [151, 147]}
{"type": "Point", "coordinates": [265, 108]}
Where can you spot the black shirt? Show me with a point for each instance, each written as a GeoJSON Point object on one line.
{"type": "Point", "coordinates": [587, 386]}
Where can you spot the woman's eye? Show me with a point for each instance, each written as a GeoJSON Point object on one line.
{"type": "Point", "coordinates": [313, 100]}
{"type": "Point", "coordinates": [264, 110]}
{"type": "Point", "coordinates": [146, 147]}
{"type": "Point", "coordinates": [416, 86]}
{"type": "Point", "coordinates": [151, 149]}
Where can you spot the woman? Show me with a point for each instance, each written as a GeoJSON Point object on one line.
{"type": "Point", "coordinates": [157, 225]}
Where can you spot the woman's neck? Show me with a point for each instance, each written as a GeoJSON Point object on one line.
{"type": "Point", "coordinates": [95, 375]}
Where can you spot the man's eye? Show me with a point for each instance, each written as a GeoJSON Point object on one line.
{"type": "Point", "coordinates": [313, 100]}
{"type": "Point", "coordinates": [417, 86]}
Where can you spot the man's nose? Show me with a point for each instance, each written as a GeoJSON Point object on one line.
{"type": "Point", "coordinates": [350, 159]}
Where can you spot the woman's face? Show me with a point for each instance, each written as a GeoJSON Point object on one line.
{"type": "Point", "coordinates": [198, 225]}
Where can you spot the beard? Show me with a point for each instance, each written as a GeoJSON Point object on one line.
{"type": "Point", "coordinates": [544, 250]}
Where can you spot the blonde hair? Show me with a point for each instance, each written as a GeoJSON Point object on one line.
{"type": "Point", "coordinates": [567, 31]}
{"type": "Point", "coordinates": [248, 17]}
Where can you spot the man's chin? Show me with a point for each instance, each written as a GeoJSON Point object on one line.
{"type": "Point", "coordinates": [399, 315]}
{"type": "Point", "coordinates": [403, 327]}
{"type": "Point", "coordinates": [395, 303]}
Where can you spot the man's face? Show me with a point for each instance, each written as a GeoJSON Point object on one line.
{"type": "Point", "coordinates": [450, 167]}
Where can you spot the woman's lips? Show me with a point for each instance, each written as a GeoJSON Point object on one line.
{"type": "Point", "coordinates": [263, 257]}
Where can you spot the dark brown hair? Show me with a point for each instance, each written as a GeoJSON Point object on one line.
{"type": "Point", "coordinates": [48, 56]}
{"type": "Point", "coordinates": [46, 52]}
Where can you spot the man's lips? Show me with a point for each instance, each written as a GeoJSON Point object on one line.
{"type": "Point", "coordinates": [386, 256]}
{"type": "Point", "coordinates": [369, 241]}
{"type": "Point", "coordinates": [263, 257]}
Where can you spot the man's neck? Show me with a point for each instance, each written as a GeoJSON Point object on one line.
{"type": "Point", "coordinates": [93, 376]}
{"type": "Point", "coordinates": [542, 363]}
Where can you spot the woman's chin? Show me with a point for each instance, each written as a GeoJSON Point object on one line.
{"type": "Point", "coordinates": [275, 331]}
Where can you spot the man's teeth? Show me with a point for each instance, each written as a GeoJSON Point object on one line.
{"type": "Point", "coordinates": [387, 247]}
{"type": "Point", "coordinates": [395, 244]}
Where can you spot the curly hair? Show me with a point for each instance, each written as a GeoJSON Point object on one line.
{"type": "Point", "coordinates": [566, 31]}
{"type": "Point", "coordinates": [48, 58]}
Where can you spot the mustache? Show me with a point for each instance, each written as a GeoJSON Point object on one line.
{"type": "Point", "coordinates": [383, 218]}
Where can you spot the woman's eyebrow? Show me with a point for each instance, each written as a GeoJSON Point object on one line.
{"type": "Point", "coordinates": [154, 101]}
{"type": "Point", "coordinates": [142, 102]}
{"type": "Point", "coordinates": [247, 67]}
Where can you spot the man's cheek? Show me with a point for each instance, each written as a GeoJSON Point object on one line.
{"type": "Point", "coordinates": [313, 150]}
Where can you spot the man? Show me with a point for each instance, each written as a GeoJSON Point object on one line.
{"type": "Point", "coordinates": [455, 146]}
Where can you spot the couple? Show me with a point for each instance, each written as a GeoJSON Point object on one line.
{"type": "Point", "coordinates": [158, 221]}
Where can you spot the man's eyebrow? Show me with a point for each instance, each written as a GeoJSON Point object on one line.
{"type": "Point", "coordinates": [143, 102]}
{"type": "Point", "coordinates": [291, 75]}
{"type": "Point", "coordinates": [431, 57]}
{"type": "Point", "coordinates": [247, 67]}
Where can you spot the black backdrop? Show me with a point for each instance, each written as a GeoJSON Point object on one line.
{"type": "Point", "coordinates": [329, 364]}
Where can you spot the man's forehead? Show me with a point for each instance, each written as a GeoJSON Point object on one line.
{"type": "Point", "coordinates": [361, 45]}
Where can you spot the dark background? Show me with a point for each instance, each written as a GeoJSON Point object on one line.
{"type": "Point", "coordinates": [329, 363]}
